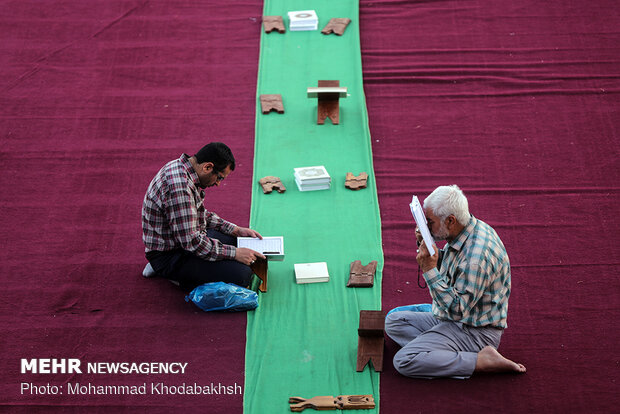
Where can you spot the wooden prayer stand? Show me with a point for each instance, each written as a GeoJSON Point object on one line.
{"type": "Point", "coordinates": [362, 276]}
{"type": "Point", "coordinates": [336, 25]}
{"type": "Point", "coordinates": [259, 267]}
{"type": "Point", "coordinates": [342, 402]}
{"type": "Point", "coordinates": [271, 183]}
{"type": "Point", "coordinates": [353, 182]}
{"type": "Point", "coordinates": [271, 23]}
{"type": "Point", "coordinates": [270, 103]}
{"type": "Point", "coordinates": [370, 341]}
{"type": "Point", "coordinates": [328, 93]}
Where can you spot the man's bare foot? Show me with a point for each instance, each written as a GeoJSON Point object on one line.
{"type": "Point", "coordinates": [489, 360]}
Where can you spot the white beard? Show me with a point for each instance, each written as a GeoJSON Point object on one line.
{"type": "Point", "coordinates": [443, 233]}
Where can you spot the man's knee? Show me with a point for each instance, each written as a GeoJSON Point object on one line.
{"type": "Point", "coordinates": [242, 275]}
{"type": "Point", "coordinates": [391, 322]}
{"type": "Point", "coordinates": [405, 363]}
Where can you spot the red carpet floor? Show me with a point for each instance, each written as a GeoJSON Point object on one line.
{"type": "Point", "coordinates": [515, 101]}
{"type": "Point", "coordinates": [95, 98]}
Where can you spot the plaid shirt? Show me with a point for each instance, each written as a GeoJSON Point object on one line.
{"type": "Point", "coordinates": [472, 284]}
{"type": "Point", "coordinates": [174, 216]}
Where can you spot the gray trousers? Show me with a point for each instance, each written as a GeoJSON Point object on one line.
{"type": "Point", "coordinates": [433, 348]}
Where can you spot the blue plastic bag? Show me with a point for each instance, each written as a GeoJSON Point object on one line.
{"type": "Point", "coordinates": [220, 296]}
{"type": "Point", "coordinates": [423, 307]}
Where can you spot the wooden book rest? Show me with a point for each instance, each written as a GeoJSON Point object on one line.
{"type": "Point", "coordinates": [353, 182]}
{"type": "Point", "coordinates": [271, 183]}
{"type": "Point", "coordinates": [342, 402]}
{"type": "Point", "coordinates": [362, 276]}
{"type": "Point", "coordinates": [259, 267]}
{"type": "Point", "coordinates": [370, 341]}
{"type": "Point", "coordinates": [336, 25]}
{"type": "Point", "coordinates": [271, 23]}
{"type": "Point", "coordinates": [328, 94]}
{"type": "Point", "coordinates": [271, 102]}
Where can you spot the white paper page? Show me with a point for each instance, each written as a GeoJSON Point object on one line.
{"type": "Point", "coordinates": [268, 245]}
{"type": "Point", "coordinates": [420, 218]}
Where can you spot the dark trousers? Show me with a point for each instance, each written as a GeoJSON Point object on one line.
{"type": "Point", "coordinates": [191, 271]}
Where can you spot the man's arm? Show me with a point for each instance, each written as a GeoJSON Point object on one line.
{"type": "Point", "coordinates": [182, 213]}
{"type": "Point", "coordinates": [216, 222]}
{"type": "Point", "coordinates": [185, 216]}
{"type": "Point", "coordinates": [213, 221]}
{"type": "Point", "coordinates": [458, 300]}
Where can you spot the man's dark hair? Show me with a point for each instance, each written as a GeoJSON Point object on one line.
{"type": "Point", "coordinates": [217, 153]}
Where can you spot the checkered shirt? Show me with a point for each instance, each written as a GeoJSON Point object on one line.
{"type": "Point", "coordinates": [472, 284]}
{"type": "Point", "coordinates": [174, 216]}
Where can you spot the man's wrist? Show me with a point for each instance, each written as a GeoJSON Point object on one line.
{"type": "Point", "coordinates": [230, 252]}
{"type": "Point", "coordinates": [229, 228]}
{"type": "Point", "coordinates": [431, 276]}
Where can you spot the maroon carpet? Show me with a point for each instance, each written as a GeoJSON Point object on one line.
{"type": "Point", "coordinates": [516, 102]}
{"type": "Point", "coordinates": [95, 98]}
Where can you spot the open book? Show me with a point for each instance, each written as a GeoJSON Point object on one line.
{"type": "Point", "coordinates": [420, 218]}
{"type": "Point", "coordinates": [271, 247]}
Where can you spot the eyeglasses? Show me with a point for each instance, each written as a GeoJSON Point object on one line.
{"type": "Point", "coordinates": [219, 177]}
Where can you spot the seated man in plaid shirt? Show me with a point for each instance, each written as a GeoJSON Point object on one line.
{"type": "Point", "coordinates": [184, 242]}
{"type": "Point", "coordinates": [469, 282]}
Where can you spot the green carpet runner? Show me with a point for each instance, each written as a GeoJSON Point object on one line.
{"type": "Point", "coordinates": [302, 340]}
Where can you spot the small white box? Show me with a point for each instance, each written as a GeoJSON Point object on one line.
{"type": "Point", "coordinates": [312, 187]}
{"type": "Point", "coordinates": [311, 272]}
{"type": "Point", "coordinates": [312, 178]}
{"type": "Point", "coordinates": [303, 20]}
{"type": "Point", "coordinates": [312, 174]}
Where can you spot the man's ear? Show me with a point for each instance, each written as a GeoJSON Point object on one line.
{"type": "Point", "coordinates": [450, 221]}
{"type": "Point", "coordinates": [207, 167]}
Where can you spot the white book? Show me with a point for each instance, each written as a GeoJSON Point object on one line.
{"type": "Point", "coordinates": [312, 187]}
{"type": "Point", "coordinates": [303, 18]}
{"type": "Point", "coordinates": [310, 174]}
{"type": "Point", "coordinates": [304, 28]}
{"type": "Point", "coordinates": [271, 247]}
{"type": "Point", "coordinates": [420, 218]}
{"type": "Point", "coordinates": [316, 91]}
{"type": "Point", "coordinates": [310, 183]}
{"type": "Point", "coordinates": [311, 272]}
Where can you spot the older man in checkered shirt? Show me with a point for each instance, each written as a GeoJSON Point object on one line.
{"type": "Point", "coordinates": [469, 282]}
{"type": "Point", "coordinates": [184, 242]}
